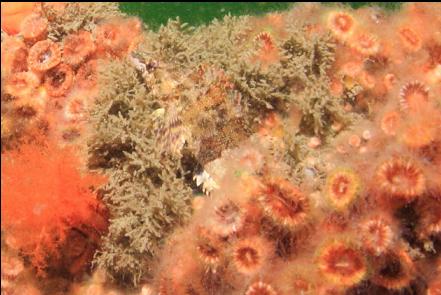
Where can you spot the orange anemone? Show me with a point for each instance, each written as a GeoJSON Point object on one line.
{"type": "Point", "coordinates": [420, 131]}
{"type": "Point", "coordinates": [401, 178]}
{"type": "Point", "coordinates": [77, 47]}
{"type": "Point", "coordinates": [14, 55]}
{"type": "Point", "coordinates": [59, 80]}
{"type": "Point", "coordinates": [250, 255]}
{"type": "Point", "coordinates": [390, 122]}
{"type": "Point", "coordinates": [342, 264]}
{"type": "Point", "coordinates": [377, 235]}
{"type": "Point", "coordinates": [410, 39]}
{"type": "Point", "coordinates": [44, 55]}
{"type": "Point", "coordinates": [342, 187]}
{"type": "Point", "coordinates": [389, 81]}
{"type": "Point", "coordinates": [228, 219]}
{"type": "Point", "coordinates": [31, 105]}
{"type": "Point", "coordinates": [393, 270]}
{"type": "Point", "coordinates": [365, 43]}
{"type": "Point", "coordinates": [209, 247]}
{"type": "Point", "coordinates": [34, 28]}
{"type": "Point", "coordinates": [87, 75]}
{"type": "Point", "coordinates": [284, 203]}
{"type": "Point", "coordinates": [118, 38]}
{"type": "Point", "coordinates": [341, 24]}
{"type": "Point", "coordinates": [260, 288]}
{"type": "Point", "coordinates": [414, 96]}
{"type": "Point", "coordinates": [13, 13]}
{"type": "Point", "coordinates": [22, 84]}
{"type": "Point", "coordinates": [75, 109]}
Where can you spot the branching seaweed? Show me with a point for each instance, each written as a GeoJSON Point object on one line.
{"type": "Point", "coordinates": [78, 15]}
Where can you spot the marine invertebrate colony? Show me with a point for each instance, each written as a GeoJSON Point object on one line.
{"type": "Point", "coordinates": [49, 61]}
{"type": "Point", "coordinates": [55, 221]}
{"type": "Point", "coordinates": [293, 153]}
{"type": "Point", "coordinates": [322, 182]}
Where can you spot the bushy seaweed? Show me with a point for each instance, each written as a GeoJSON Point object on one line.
{"type": "Point", "coordinates": [77, 16]}
{"type": "Point", "coordinates": [146, 193]}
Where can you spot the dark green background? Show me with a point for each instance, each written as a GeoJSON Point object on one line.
{"type": "Point", "coordinates": [156, 13]}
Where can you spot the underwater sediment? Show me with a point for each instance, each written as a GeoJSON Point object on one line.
{"type": "Point", "coordinates": [297, 152]}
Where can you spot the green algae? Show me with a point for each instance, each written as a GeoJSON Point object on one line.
{"type": "Point", "coordinates": [155, 14]}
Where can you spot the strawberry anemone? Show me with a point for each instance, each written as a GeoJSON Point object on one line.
{"type": "Point", "coordinates": [394, 270]}
{"type": "Point", "coordinates": [284, 203]}
{"type": "Point", "coordinates": [342, 264]}
{"type": "Point", "coordinates": [250, 255]}
{"type": "Point", "coordinates": [342, 187]}
{"type": "Point", "coordinates": [77, 48]}
{"type": "Point", "coordinates": [401, 178]}
{"type": "Point", "coordinates": [44, 55]}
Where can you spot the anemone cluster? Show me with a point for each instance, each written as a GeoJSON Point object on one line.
{"type": "Point", "coordinates": [49, 70]}
{"type": "Point", "coordinates": [293, 153]}
{"type": "Point", "coordinates": [345, 211]}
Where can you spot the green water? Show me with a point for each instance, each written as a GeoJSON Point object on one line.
{"type": "Point", "coordinates": [195, 13]}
